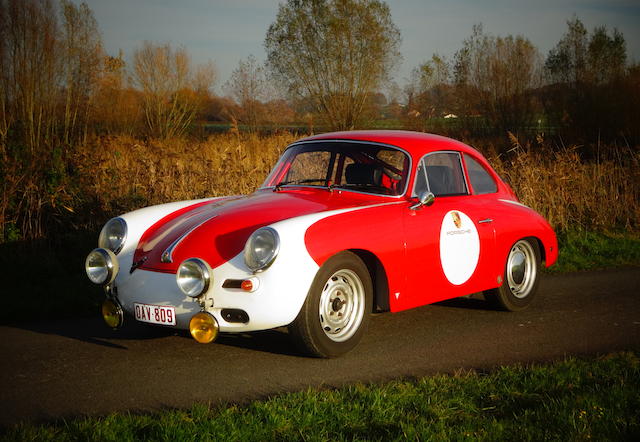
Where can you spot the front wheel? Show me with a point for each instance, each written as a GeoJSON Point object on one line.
{"type": "Point", "coordinates": [336, 312]}
{"type": "Point", "coordinates": [520, 280]}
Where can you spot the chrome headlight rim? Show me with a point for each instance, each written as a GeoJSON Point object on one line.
{"type": "Point", "coordinates": [105, 234]}
{"type": "Point", "coordinates": [110, 266]}
{"type": "Point", "coordinates": [204, 279]}
{"type": "Point", "coordinates": [250, 259]}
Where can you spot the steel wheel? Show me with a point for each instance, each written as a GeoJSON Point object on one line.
{"type": "Point", "coordinates": [336, 311]}
{"type": "Point", "coordinates": [341, 305]}
{"type": "Point", "coordinates": [522, 269]}
{"type": "Point", "coordinates": [520, 281]}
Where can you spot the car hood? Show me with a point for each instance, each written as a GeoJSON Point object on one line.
{"type": "Point", "coordinates": [217, 230]}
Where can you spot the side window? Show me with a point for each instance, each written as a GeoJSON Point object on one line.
{"type": "Point", "coordinates": [441, 174]}
{"type": "Point", "coordinates": [481, 181]}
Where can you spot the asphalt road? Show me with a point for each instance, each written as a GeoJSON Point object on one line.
{"type": "Point", "coordinates": [74, 368]}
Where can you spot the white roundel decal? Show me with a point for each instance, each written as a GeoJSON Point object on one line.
{"type": "Point", "coordinates": [459, 247]}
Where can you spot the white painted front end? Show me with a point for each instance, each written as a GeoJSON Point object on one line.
{"type": "Point", "coordinates": [281, 289]}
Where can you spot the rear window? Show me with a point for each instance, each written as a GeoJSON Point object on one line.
{"type": "Point", "coordinates": [481, 181]}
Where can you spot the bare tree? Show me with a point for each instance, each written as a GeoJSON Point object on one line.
{"type": "Point", "coordinates": [588, 91]}
{"type": "Point", "coordinates": [429, 91]}
{"type": "Point", "coordinates": [567, 62]}
{"type": "Point", "coordinates": [117, 103]}
{"type": "Point", "coordinates": [434, 72]}
{"type": "Point", "coordinates": [495, 75]}
{"type": "Point", "coordinates": [30, 78]}
{"type": "Point", "coordinates": [6, 117]}
{"type": "Point", "coordinates": [248, 87]}
{"type": "Point", "coordinates": [335, 53]}
{"type": "Point", "coordinates": [606, 56]}
{"type": "Point", "coordinates": [81, 47]}
{"type": "Point", "coordinates": [169, 87]}
{"type": "Point", "coordinates": [47, 74]}
{"type": "Point", "coordinates": [31, 67]}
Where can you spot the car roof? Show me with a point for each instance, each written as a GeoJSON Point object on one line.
{"type": "Point", "coordinates": [415, 143]}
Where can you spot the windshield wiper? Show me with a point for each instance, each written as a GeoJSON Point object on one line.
{"type": "Point", "coordinates": [278, 186]}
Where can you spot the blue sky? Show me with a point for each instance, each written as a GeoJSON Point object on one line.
{"type": "Point", "coordinates": [228, 31]}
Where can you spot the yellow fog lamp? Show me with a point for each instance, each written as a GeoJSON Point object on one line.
{"type": "Point", "coordinates": [203, 327]}
{"type": "Point", "coordinates": [112, 313]}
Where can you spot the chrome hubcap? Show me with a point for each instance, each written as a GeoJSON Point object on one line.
{"type": "Point", "coordinates": [521, 269]}
{"type": "Point", "coordinates": [341, 307]}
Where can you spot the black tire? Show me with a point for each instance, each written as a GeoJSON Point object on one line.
{"type": "Point", "coordinates": [336, 312]}
{"type": "Point", "coordinates": [520, 279]}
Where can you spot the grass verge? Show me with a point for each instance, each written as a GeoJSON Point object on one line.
{"type": "Point", "coordinates": [570, 400]}
{"type": "Point", "coordinates": [583, 250]}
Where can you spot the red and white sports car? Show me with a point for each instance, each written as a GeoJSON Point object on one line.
{"type": "Point", "coordinates": [346, 224]}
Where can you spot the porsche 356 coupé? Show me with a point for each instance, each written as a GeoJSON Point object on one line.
{"type": "Point", "coordinates": [346, 224]}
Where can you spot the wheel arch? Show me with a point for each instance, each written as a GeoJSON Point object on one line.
{"type": "Point", "coordinates": [541, 247]}
{"type": "Point", "coordinates": [378, 278]}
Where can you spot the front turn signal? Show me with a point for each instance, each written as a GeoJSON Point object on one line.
{"type": "Point", "coordinates": [203, 327]}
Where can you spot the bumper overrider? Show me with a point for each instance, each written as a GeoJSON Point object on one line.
{"type": "Point", "coordinates": [252, 291]}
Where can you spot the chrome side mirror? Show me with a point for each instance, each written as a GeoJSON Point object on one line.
{"type": "Point", "coordinates": [425, 198]}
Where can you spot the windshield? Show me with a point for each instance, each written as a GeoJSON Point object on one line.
{"type": "Point", "coordinates": [357, 166]}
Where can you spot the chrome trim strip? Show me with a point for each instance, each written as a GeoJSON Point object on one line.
{"type": "Point", "coordinates": [516, 203]}
{"type": "Point", "coordinates": [167, 255]}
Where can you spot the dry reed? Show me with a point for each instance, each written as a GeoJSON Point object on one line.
{"type": "Point", "coordinates": [122, 173]}
{"type": "Point", "coordinates": [570, 192]}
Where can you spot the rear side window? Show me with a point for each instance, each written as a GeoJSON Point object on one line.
{"type": "Point", "coordinates": [441, 174]}
{"type": "Point", "coordinates": [481, 181]}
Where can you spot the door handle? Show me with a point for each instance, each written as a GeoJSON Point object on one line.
{"type": "Point", "coordinates": [485, 221]}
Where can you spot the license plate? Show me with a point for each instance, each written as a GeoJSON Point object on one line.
{"type": "Point", "coordinates": [155, 314]}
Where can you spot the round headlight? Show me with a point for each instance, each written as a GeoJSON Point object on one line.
{"type": "Point", "coordinates": [261, 249]}
{"type": "Point", "coordinates": [101, 266]}
{"type": "Point", "coordinates": [193, 277]}
{"type": "Point", "coordinates": [113, 235]}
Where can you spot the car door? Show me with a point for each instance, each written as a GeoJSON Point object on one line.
{"type": "Point", "coordinates": [450, 243]}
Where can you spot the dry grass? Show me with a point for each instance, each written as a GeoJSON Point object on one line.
{"type": "Point", "coordinates": [121, 173]}
{"type": "Point", "coordinates": [573, 193]}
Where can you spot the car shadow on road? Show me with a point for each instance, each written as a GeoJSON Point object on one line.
{"type": "Point", "coordinates": [274, 341]}
{"type": "Point", "coordinates": [475, 301]}
{"type": "Point", "coordinates": [94, 331]}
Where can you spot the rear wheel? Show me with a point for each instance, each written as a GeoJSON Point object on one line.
{"type": "Point", "coordinates": [336, 311]}
{"type": "Point", "coordinates": [520, 280]}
